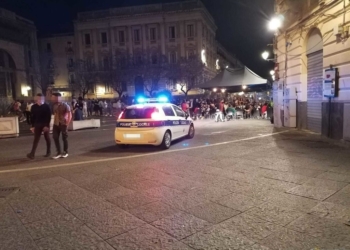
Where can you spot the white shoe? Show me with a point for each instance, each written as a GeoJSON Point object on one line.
{"type": "Point", "coordinates": [64, 155]}
{"type": "Point", "coordinates": [57, 156]}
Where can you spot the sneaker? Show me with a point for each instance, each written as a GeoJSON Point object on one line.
{"type": "Point", "coordinates": [64, 155]}
{"type": "Point", "coordinates": [30, 156]}
{"type": "Point", "coordinates": [57, 156]}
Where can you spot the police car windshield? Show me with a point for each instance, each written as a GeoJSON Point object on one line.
{"type": "Point", "coordinates": [139, 113]}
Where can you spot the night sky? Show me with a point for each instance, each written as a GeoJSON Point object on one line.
{"type": "Point", "coordinates": [242, 24]}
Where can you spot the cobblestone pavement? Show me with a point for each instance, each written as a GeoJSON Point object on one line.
{"type": "Point", "coordinates": [241, 185]}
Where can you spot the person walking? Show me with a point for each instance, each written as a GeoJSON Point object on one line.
{"type": "Point", "coordinates": [40, 118]}
{"type": "Point", "coordinates": [85, 109]}
{"type": "Point", "coordinates": [28, 112]}
{"type": "Point", "coordinates": [62, 117]}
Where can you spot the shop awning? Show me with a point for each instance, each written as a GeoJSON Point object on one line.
{"type": "Point", "coordinates": [235, 79]}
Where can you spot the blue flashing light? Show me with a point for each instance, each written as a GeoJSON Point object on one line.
{"type": "Point", "coordinates": [141, 100]}
{"type": "Point", "coordinates": [163, 99]}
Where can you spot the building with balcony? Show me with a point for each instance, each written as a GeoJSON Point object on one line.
{"type": "Point", "coordinates": [19, 61]}
{"type": "Point", "coordinates": [312, 52]}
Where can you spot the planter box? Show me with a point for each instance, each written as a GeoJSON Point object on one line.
{"type": "Point", "coordinates": [76, 125]}
{"type": "Point", "coordinates": [9, 127]}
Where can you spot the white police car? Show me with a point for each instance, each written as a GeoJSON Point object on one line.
{"type": "Point", "coordinates": [152, 122]}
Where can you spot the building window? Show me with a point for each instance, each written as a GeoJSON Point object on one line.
{"type": "Point", "coordinates": [72, 78]}
{"type": "Point", "coordinates": [48, 47]}
{"type": "Point", "coordinates": [104, 37]}
{"type": "Point", "coordinates": [153, 34]}
{"type": "Point", "coordinates": [121, 36]}
{"type": "Point", "coordinates": [137, 37]}
{"type": "Point", "coordinates": [172, 32]}
{"type": "Point", "coordinates": [190, 30]}
{"type": "Point", "coordinates": [87, 39]}
{"type": "Point", "coordinates": [172, 57]}
{"type": "Point", "coordinates": [30, 60]}
{"type": "Point", "coordinates": [190, 54]}
{"type": "Point", "coordinates": [70, 62]}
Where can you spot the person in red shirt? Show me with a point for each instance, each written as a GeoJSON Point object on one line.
{"type": "Point", "coordinates": [184, 106]}
{"type": "Point", "coordinates": [264, 111]}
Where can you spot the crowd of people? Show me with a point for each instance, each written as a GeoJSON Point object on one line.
{"type": "Point", "coordinates": [226, 109]}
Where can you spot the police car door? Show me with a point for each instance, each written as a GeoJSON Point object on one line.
{"type": "Point", "coordinates": [171, 120]}
{"type": "Point", "coordinates": [181, 118]}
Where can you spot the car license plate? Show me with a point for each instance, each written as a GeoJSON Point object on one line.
{"type": "Point", "coordinates": [132, 136]}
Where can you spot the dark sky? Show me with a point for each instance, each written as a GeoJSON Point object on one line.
{"type": "Point", "coordinates": [242, 24]}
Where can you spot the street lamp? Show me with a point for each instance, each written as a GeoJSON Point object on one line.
{"type": "Point", "coordinates": [223, 90]}
{"type": "Point", "coordinates": [265, 55]}
{"type": "Point", "coordinates": [215, 89]}
{"type": "Point", "coordinates": [272, 72]}
{"type": "Point", "coordinates": [244, 87]}
{"type": "Point", "coordinates": [276, 23]}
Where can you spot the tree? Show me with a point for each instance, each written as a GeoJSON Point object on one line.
{"type": "Point", "coordinates": [187, 73]}
{"type": "Point", "coordinates": [154, 69]}
{"type": "Point", "coordinates": [86, 76]}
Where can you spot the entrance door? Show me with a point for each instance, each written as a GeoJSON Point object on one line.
{"type": "Point", "coordinates": [314, 91]}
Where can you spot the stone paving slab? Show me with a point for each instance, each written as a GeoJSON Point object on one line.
{"type": "Point", "coordinates": [292, 196]}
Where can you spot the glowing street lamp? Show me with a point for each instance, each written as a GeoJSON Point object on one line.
{"type": "Point", "coordinates": [215, 89]}
{"type": "Point", "coordinates": [265, 55]}
{"type": "Point", "coordinates": [276, 23]}
{"type": "Point", "coordinates": [272, 72]}
{"type": "Point", "coordinates": [223, 90]}
{"type": "Point", "coordinates": [244, 87]}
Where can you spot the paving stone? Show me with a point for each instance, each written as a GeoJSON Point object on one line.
{"type": "Point", "coordinates": [341, 197]}
{"type": "Point", "coordinates": [25, 189]}
{"type": "Point", "coordinates": [287, 177]}
{"type": "Point", "coordinates": [180, 184]}
{"type": "Point", "coordinates": [274, 184]}
{"type": "Point", "coordinates": [305, 171]}
{"type": "Point", "coordinates": [290, 240]}
{"type": "Point", "coordinates": [153, 211]}
{"type": "Point", "coordinates": [335, 177]}
{"type": "Point", "coordinates": [7, 216]}
{"type": "Point", "coordinates": [326, 229]}
{"type": "Point", "coordinates": [34, 208]}
{"type": "Point", "coordinates": [16, 237]}
{"type": "Point", "coordinates": [115, 192]}
{"type": "Point", "coordinates": [273, 213]}
{"type": "Point", "coordinates": [212, 212]}
{"type": "Point", "coordinates": [183, 201]}
{"type": "Point", "coordinates": [107, 220]}
{"type": "Point", "coordinates": [80, 177]}
{"type": "Point", "coordinates": [293, 201]}
{"type": "Point", "coordinates": [162, 192]}
{"type": "Point", "coordinates": [218, 238]}
{"type": "Point", "coordinates": [334, 185]}
{"type": "Point", "coordinates": [332, 211]}
{"type": "Point", "coordinates": [317, 193]}
{"type": "Point", "coordinates": [53, 225]}
{"type": "Point", "coordinates": [97, 185]}
{"type": "Point", "coordinates": [209, 193]}
{"type": "Point", "coordinates": [238, 202]}
{"type": "Point", "coordinates": [251, 227]}
{"type": "Point", "coordinates": [181, 225]}
{"type": "Point", "coordinates": [79, 239]}
{"type": "Point", "coordinates": [139, 185]}
{"type": "Point", "coordinates": [146, 237]}
{"type": "Point", "coordinates": [131, 201]}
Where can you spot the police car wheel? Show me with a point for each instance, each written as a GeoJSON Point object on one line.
{"type": "Point", "coordinates": [166, 143]}
{"type": "Point", "coordinates": [191, 132]}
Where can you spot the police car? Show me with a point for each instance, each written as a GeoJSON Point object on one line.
{"type": "Point", "coordinates": [152, 122]}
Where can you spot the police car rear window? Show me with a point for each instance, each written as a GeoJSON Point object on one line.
{"type": "Point", "coordinates": [139, 113]}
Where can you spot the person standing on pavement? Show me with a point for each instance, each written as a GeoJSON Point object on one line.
{"type": "Point", "coordinates": [62, 117]}
{"type": "Point", "coordinates": [40, 118]}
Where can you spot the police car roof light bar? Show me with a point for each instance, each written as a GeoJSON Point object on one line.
{"type": "Point", "coordinates": [162, 99]}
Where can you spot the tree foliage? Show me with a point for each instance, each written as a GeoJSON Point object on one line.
{"type": "Point", "coordinates": [86, 75]}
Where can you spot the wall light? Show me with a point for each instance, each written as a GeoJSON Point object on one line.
{"type": "Point", "coordinates": [215, 89]}
{"type": "Point", "coordinates": [223, 90]}
{"type": "Point", "coordinates": [244, 87]}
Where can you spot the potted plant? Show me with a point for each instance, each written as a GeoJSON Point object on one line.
{"type": "Point", "coordinates": [9, 126]}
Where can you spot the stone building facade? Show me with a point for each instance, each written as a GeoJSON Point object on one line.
{"type": "Point", "coordinates": [19, 58]}
{"type": "Point", "coordinates": [173, 30]}
{"type": "Point", "coordinates": [314, 38]}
